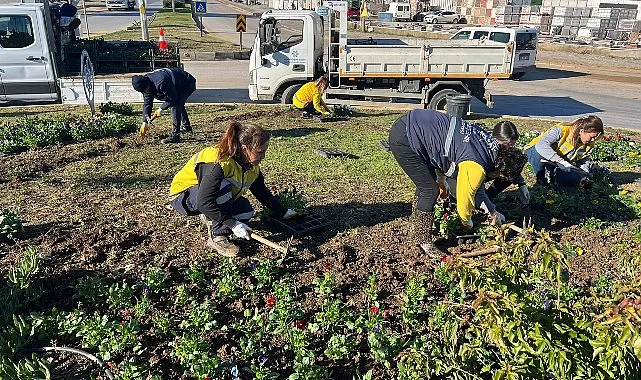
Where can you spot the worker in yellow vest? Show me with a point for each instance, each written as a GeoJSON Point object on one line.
{"type": "Point", "coordinates": [562, 153]}
{"type": "Point", "coordinates": [309, 98]}
{"type": "Point", "coordinates": [214, 182]}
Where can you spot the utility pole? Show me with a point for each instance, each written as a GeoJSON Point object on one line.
{"type": "Point", "coordinates": [84, 10]}
{"type": "Point", "coordinates": [143, 20]}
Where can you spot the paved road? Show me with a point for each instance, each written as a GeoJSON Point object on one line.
{"type": "Point", "coordinates": [550, 93]}
{"type": "Point", "coordinates": [220, 20]}
{"type": "Point", "coordinates": [102, 21]}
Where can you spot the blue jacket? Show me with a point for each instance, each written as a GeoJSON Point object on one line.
{"type": "Point", "coordinates": [427, 132]}
{"type": "Point", "coordinates": [170, 84]}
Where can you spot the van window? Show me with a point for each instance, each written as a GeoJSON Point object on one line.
{"type": "Point", "coordinates": [526, 41]}
{"type": "Point", "coordinates": [462, 35]}
{"type": "Point", "coordinates": [16, 31]}
{"type": "Point", "coordinates": [500, 37]}
{"type": "Point", "coordinates": [480, 34]}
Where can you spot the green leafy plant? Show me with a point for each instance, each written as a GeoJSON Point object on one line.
{"type": "Point", "coordinates": [290, 197]}
{"type": "Point", "coordinates": [22, 273]}
{"type": "Point", "coordinates": [343, 110]}
{"type": "Point", "coordinates": [155, 278]}
{"type": "Point", "coordinates": [118, 108]}
{"type": "Point", "coordinates": [10, 223]}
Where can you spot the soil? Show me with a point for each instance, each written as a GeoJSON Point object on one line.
{"type": "Point", "coordinates": [116, 229]}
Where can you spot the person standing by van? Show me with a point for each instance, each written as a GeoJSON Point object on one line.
{"type": "Point", "coordinates": [173, 86]}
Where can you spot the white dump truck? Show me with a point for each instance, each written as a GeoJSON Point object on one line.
{"type": "Point", "coordinates": [40, 57]}
{"type": "Point", "coordinates": [293, 47]}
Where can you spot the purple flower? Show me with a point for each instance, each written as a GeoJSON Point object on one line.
{"type": "Point", "coordinates": [530, 288]}
{"type": "Point", "coordinates": [262, 359]}
{"type": "Point", "coordinates": [252, 264]}
{"type": "Point", "coordinates": [546, 304]}
{"type": "Point", "coordinates": [146, 289]}
{"type": "Point", "coordinates": [377, 328]}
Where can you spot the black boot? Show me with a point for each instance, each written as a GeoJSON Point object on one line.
{"type": "Point", "coordinates": [423, 233]}
{"type": "Point", "coordinates": [173, 138]}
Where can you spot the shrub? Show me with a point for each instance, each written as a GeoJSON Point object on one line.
{"type": "Point", "coordinates": [10, 223]}
{"type": "Point", "coordinates": [119, 108]}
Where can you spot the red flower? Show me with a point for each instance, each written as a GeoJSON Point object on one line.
{"type": "Point", "coordinates": [374, 309]}
{"type": "Point", "coordinates": [444, 216]}
{"type": "Point", "coordinates": [271, 301]}
{"type": "Point", "coordinates": [300, 324]}
{"type": "Point", "coordinates": [443, 258]}
{"type": "Point", "coordinates": [274, 188]}
{"type": "Point", "coordinates": [386, 313]}
{"type": "Point", "coordinates": [206, 378]}
{"type": "Point", "coordinates": [607, 138]}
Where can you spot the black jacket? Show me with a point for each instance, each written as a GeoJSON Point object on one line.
{"type": "Point", "coordinates": [169, 86]}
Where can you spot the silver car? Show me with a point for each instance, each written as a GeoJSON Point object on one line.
{"type": "Point", "coordinates": [448, 17]}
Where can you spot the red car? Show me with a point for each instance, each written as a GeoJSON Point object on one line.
{"type": "Point", "coordinates": [353, 14]}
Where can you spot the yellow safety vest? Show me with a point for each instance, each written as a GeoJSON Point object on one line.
{"type": "Point", "coordinates": [240, 180]}
{"type": "Point", "coordinates": [564, 147]}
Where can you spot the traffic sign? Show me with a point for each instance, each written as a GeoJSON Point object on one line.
{"type": "Point", "coordinates": [241, 23]}
{"type": "Point", "coordinates": [201, 7]}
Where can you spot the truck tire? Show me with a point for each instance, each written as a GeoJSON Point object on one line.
{"type": "Point", "coordinates": [439, 100]}
{"type": "Point", "coordinates": [288, 94]}
{"type": "Point", "coordinates": [517, 76]}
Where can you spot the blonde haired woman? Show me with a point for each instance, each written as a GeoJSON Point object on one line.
{"type": "Point", "coordinates": [309, 98]}
{"type": "Point", "coordinates": [567, 147]}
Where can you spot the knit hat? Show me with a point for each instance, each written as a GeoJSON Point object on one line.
{"type": "Point", "coordinates": [140, 82]}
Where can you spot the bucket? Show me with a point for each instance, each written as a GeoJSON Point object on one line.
{"type": "Point", "coordinates": [458, 105]}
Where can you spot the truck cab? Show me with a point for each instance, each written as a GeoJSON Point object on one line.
{"type": "Point", "coordinates": [26, 62]}
{"type": "Point", "coordinates": [287, 53]}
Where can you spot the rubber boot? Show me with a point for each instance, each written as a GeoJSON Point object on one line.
{"type": "Point", "coordinates": [423, 231]}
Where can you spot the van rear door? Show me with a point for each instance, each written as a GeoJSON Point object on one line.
{"type": "Point", "coordinates": [27, 73]}
{"type": "Point", "coordinates": [525, 52]}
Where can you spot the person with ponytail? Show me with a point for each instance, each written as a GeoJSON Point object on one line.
{"type": "Point", "coordinates": [562, 153]}
{"type": "Point", "coordinates": [309, 98]}
{"type": "Point", "coordinates": [214, 182]}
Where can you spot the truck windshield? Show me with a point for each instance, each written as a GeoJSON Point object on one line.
{"type": "Point", "coordinates": [289, 33]}
{"type": "Point", "coordinates": [526, 41]}
{"type": "Point", "coordinates": [16, 31]}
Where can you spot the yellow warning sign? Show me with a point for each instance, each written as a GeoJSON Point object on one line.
{"type": "Point", "coordinates": [241, 23]}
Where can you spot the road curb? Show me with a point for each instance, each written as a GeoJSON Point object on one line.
{"type": "Point", "coordinates": [214, 56]}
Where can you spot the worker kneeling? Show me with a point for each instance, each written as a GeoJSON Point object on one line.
{"type": "Point", "coordinates": [215, 180]}
{"type": "Point", "coordinates": [309, 98]}
{"type": "Point", "coordinates": [425, 141]}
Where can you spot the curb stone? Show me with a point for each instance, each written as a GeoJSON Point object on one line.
{"type": "Point", "coordinates": [213, 56]}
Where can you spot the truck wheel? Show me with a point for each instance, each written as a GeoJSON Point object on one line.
{"type": "Point", "coordinates": [439, 100]}
{"type": "Point", "coordinates": [517, 76]}
{"type": "Point", "coordinates": [288, 94]}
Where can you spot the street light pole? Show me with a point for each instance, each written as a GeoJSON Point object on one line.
{"type": "Point", "coordinates": [143, 20]}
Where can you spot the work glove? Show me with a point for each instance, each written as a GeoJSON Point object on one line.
{"type": "Point", "coordinates": [157, 113]}
{"type": "Point", "coordinates": [290, 214]}
{"type": "Point", "coordinates": [524, 194]}
{"type": "Point", "coordinates": [241, 230]}
{"type": "Point", "coordinates": [497, 218]}
{"type": "Point", "coordinates": [443, 186]}
{"type": "Point", "coordinates": [467, 224]}
{"type": "Point", "coordinates": [143, 129]}
{"type": "Point", "coordinates": [566, 166]}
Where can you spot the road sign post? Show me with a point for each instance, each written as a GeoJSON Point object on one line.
{"type": "Point", "coordinates": [201, 7]}
{"type": "Point", "coordinates": [241, 26]}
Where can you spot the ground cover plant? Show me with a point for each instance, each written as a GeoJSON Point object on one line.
{"type": "Point", "coordinates": [100, 264]}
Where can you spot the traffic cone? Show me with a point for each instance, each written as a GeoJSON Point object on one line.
{"type": "Point", "coordinates": [162, 43]}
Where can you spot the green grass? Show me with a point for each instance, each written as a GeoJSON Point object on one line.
{"type": "Point", "coordinates": [180, 28]}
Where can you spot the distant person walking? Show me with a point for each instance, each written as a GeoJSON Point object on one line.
{"type": "Point", "coordinates": [173, 86]}
{"type": "Point", "coordinates": [309, 98]}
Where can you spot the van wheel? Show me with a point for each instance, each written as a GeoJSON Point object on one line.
{"type": "Point", "coordinates": [288, 94]}
{"type": "Point", "coordinates": [439, 100]}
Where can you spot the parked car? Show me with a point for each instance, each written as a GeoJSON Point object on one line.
{"type": "Point", "coordinates": [420, 16]}
{"type": "Point", "coordinates": [353, 14]}
{"type": "Point", "coordinates": [448, 17]}
{"type": "Point", "coordinates": [120, 4]}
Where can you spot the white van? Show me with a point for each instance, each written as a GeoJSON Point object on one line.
{"type": "Point", "coordinates": [400, 11]}
{"type": "Point", "coordinates": [524, 39]}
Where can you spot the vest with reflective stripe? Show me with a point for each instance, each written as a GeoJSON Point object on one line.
{"type": "Point", "coordinates": [564, 147]}
{"type": "Point", "coordinates": [240, 180]}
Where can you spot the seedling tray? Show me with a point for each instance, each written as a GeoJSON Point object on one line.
{"type": "Point", "coordinates": [331, 153]}
{"type": "Point", "coordinates": [385, 145]}
{"type": "Point", "coordinates": [465, 238]}
{"type": "Point", "coordinates": [303, 224]}
{"type": "Point", "coordinates": [330, 119]}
